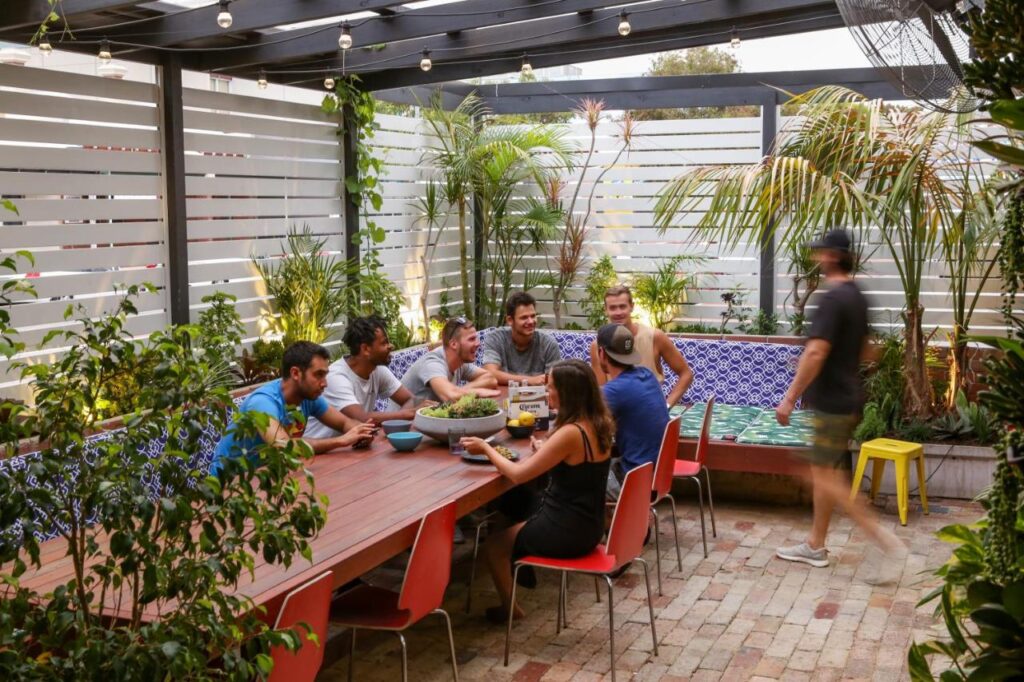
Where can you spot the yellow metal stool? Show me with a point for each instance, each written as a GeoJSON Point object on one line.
{"type": "Point", "coordinates": [900, 452]}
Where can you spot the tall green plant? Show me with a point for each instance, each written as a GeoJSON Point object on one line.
{"type": "Point", "coordinates": [845, 162]}
{"type": "Point", "coordinates": [145, 530]}
{"type": "Point", "coordinates": [433, 213]}
{"type": "Point", "coordinates": [663, 292]}
{"type": "Point", "coordinates": [309, 287]}
{"type": "Point", "coordinates": [601, 278]}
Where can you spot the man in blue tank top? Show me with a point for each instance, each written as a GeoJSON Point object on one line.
{"type": "Point", "coordinates": [635, 399]}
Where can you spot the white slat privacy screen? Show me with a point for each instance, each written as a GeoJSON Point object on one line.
{"type": "Point", "coordinates": [622, 221]}
{"type": "Point", "coordinates": [85, 173]}
{"type": "Point", "coordinates": [255, 168]}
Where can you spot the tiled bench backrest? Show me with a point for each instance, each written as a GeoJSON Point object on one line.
{"type": "Point", "coordinates": [735, 372]}
{"type": "Point", "coordinates": [201, 460]}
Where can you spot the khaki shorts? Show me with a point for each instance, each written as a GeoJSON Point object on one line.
{"type": "Point", "coordinates": [832, 433]}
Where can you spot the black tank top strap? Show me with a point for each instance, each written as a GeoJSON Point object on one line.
{"type": "Point", "coordinates": [588, 454]}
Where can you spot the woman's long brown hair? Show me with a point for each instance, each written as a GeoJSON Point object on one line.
{"type": "Point", "coordinates": [580, 399]}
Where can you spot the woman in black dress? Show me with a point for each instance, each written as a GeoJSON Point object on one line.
{"type": "Point", "coordinates": [569, 522]}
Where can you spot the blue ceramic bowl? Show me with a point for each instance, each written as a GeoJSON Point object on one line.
{"type": "Point", "coordinates": [405, 441]}
{"type": "Point", "coordinates": [396, 425]}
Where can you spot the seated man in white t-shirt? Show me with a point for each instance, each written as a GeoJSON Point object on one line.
{"type": "Point", "coordinates": [356, 382]}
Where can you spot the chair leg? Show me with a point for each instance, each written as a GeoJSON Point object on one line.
{"type": "Point", "coordinates": [352, 657]}
{"type": "Point", "coordinates": [921, 480]}
{"type": "Point", "coordinates": [650, 601]}
{"type": "Point", "coordinates": [657, 547]}
{"type": "Point", "coordinates": [611, 623]}
{"type": "Point", "coordinates": [451, 642]}
{"type": "Point", "coordinates": [565, 600]}
{"type": "Point", "coordinates": [472, 566]}
{"type": "Point", "coordinates": [711, 503]}
{"type": "Point", "coordinates": [597, 591]}
{"type": "Point", "coordinates": [561, 603]}
{"type": "Point", "coordinates": [405, 657]}
{"type": "Point", "coordinates": [700, 503]}
{"type": "Point", "coordinates": [675, 532]}
{"type": "Point", "coordinates": [511, 610]}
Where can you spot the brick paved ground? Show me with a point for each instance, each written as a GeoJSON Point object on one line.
{"type": "Point", "coordinates": [739, 614]}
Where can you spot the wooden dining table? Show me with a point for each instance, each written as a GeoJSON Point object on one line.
{"type": "Point", "coordinates": [377, 497]}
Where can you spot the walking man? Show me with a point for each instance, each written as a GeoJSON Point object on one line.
{"type": "Point", "coordinates": [828, 376]}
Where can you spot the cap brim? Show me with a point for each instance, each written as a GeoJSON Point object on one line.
{"type": "Point", "coordinates": [626, 359]}
{"type": "Point", "coordinates": [818, 244]}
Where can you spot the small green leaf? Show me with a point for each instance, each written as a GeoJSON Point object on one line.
{"type": "Point", "coordinates": [1003, 152]}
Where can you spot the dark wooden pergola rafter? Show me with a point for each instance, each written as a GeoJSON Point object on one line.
{"type": "Point", "coordinates": [467, 39]}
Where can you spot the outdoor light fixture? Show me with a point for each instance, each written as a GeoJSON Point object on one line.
{"type": "Point", "coordinates": [345, 39]}
{"type": "Point", "coordinates": [734, 41]}
{"type": "Point", "coordinates": [104, 55]}
{"type": "Point", "coordinates": [526, 68]}
{"type": "Point", "coordinates": [45, 46]}
{"type": "Point", "coordinates": [425, 63]}
{"type": "Point", "coordinates": [224, 19]}
{"type": "Point", "coordinates": [329, 83]}
{"type": "Point", "coordinates": [624, 25]}
{"type": "Point", "coordinates": [262, 80]}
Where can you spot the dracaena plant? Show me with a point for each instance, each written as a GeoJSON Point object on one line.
{"type": "Point", "coordinates": [157, 547]}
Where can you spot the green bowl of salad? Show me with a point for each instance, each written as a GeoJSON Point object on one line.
{"type": "Point", "coordinates": [479, 417]}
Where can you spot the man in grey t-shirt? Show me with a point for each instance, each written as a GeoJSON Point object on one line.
{"type": "Point", "coordinates": [520, 352]}
{"type": "Point", "coordinates": [448, 373]}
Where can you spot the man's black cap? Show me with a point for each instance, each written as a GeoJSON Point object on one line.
{"type": "Point", "coordinates": [835, 240]}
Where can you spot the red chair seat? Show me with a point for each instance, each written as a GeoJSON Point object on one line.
{"type": "Point", "coordinates": [685, 467]}
{"type": "Point", "coordinates": [598, 561]}
{"type": "Point", "coordinates": [369, 607]}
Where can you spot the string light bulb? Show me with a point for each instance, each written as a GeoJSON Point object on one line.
{"type": "Point", "coordinates": [625, 28]}
{"type": "Point", "coordinates": [104, 53]}
{"type": "Point", "coordinates": [425, 62]}
{"type": "Point", "coordinates": [44, 45]}
{"type": "Point", "coordinates": [734, 41]}
{"type": "Point", "coordinates": [329, 83]}
{"type": "Point", "coordinates": [527, 68]}
{"type": "Point", "coordinates": [345, 39]}
{"type": "Point", "coordinates": [262, 80]}
{"type": "Point", "coordinates": [224, 18]}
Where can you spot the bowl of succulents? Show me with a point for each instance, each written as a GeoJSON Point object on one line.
{"type": "Point", "coordinates": [479, 417]}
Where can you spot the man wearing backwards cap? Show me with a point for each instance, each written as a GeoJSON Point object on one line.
{"type": "Point", "coordinates": [828, 377]}
{"type": "Point", "coordinates": [635, 399]}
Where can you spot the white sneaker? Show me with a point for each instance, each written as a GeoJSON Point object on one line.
{"type": "Point", "coordinates": [885, 566]}
{"type": "Point", "coordinates": [804, 554]}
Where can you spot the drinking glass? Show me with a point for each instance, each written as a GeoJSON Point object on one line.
{"type": "Point", "coordinates": [455, 436]}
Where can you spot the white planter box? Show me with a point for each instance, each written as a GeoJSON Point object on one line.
{"type": "Point", "coordinates": [955, 471]}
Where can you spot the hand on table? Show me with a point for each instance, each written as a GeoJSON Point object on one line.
{"type": "Point", "coordinates": [360, 435]}
{"type": "Point", "coordinates": [474, 445]}
{"type": "Point", "coordinates": [535, 443]}
{"type": "Point", "coordinates": [487, 392]}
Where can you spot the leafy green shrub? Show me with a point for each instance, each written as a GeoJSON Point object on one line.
{"type": "Point", "coordinates": [871, 425]}
{"type": "Point", "coordinates": [663, 291]}
{"type": "Point", "coordinates": [220, 330]}
{"type": "Point", "coordinates": [601, 278]}
{"type": "Point", "coordinates": [734, 308]}
{"type": "Point", "coordinates": [762, 324]}
{"type": "Point", "coordinates": [262, 364]}
{"type": "Point", "coordinates": [696, 328]}
{"type": "Point", "coordinates": [179, 547]}
{"type": "Point", "coordinates": [885, 382]}
{"type": "Point", "coordinates": [915, 431]}
{"type": "Point", "coordinates": [968, 420]}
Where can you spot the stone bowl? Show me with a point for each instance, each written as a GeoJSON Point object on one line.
{"type": "Point", "coordinates": [437, 428]}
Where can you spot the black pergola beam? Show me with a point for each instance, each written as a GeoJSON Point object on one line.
{"type": "Point", "coordinates": [662, 20]}
{"type": "Point", "coordinates": [693, 37]}
{"type": "Point", "coordinates": [249, 15]}
{"type": "Point", "coordinates": [769, 129]}
{"type": "Point", "coordinates": [31, 13]}
{"type": "Point", "coordinates": [401, 26]}
{"type": "Point", "coordinates": [172, 127]}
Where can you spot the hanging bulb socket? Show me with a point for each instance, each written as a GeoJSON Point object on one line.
{"type": "Point", "coordinates": [44, 45]}
{"type": "Point", "coordinates": [425, 62]}
{"type": "Point", "coordinates": [329, 83]}
{"type": "Point", "coordinates": [734, 40]}
{"type": "Point", "coordinates": [262, 80]}
{"type": "Point", "coordinates": [527, 68]}
{"type": "Point", "coordinates": [224, 18]}
{"type": "Point", "coordinates": [345, 38]}
{"type": "Point", "coordinates": [625, 28]}
{"type": "Point", "coordinates": [104, 53]}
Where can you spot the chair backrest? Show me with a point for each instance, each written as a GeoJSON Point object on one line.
{"type": "Point", "coordinates": [426, 576]}
{"type": "Point", "coordinates": [705, 432]}
{"type": "Point", "coordinates": [666, 458]}
{"type": "Point", "coordinates": [629, 524]}
{"type": "Point", "coordinates": [308, 604]}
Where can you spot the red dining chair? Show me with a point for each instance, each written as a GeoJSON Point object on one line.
{"type": "Point", "coordinates": [426, 577]}
{"type": "Point", "coordinates": [625, 544]}
{"type": "Point", "coordinates": [306, 605]}
{"type": "Point", "coordinates": [691, 469]}
{"type": "Point", "coordinates": [662, 490]}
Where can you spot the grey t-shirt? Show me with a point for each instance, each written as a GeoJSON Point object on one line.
{"type": "Point", "coordinates": [345, 387]}
{"type": "Point", "coordinates": [430, 366]}
{"type": "Point", "coordinates": [536, 359]}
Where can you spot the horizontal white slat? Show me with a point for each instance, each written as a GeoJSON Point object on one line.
{"type": "Point", "coordinates": [39, 104]}
{"type": "Point", "coordinates": [81, 259]}
{"type": "Point", "coordinates": [198, 164]}
{"type": "Point", "coordinates": [222, 101]}
{"type": "Point", "coordinates": [34, 236]}
{"type": "Point", "coordinates": [52, 312]}
{"type": "Point", "coordinates": [249, 125]}
{"type": "Point", "coordinates": [260, 227]}
{"type": "Point", "coordinates": [403, 123]}
{"type": "Point", "coordinates": [138, 325]}
{"type": "Point", "coordinates": [240, 290]}
{"type": "Point", "coordinates": [244, 248]}
{"type": "Point", "coordinates": [260, 147]}
{"type": "Point", "coordinates": [68, 83]}
{"type": "Point", "coordinates": [75, 159]}
{"type": "Point", "coordinates": [79, 184]}
{"type": "Point", "coordinates": [78, 135]}
{"type": "Point", "coordinates": [224, 208]}
{"type": "Point", "coordinates": [91, 282]}
{"type": "Point", "coordinates": [89, 209]}
{"type": "Point", "coordinates": [197, 185]}
{"type": "Point", "coordinates": [216, 272]}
